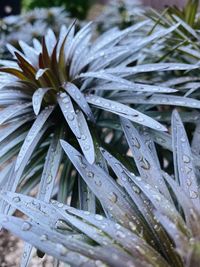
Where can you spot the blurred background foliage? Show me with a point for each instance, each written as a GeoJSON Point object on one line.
{"type": "Point", "coordinates": [77, 8]}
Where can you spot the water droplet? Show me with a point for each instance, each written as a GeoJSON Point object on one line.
{"type": "Point", "coordinates": [86, 212]}
{"type": "Point", "coordinates": [156, 227]}
{"type": "Point", "coordinates": [136, 143]}
{"type": "Point", "coordinates": [63, 95]}
{"type": "Point", "coordinates": [99, 264]}
{"type": "Point", "coordinates": [49, 179]}
{"type": "Point", "coordinates": [113, 197]}
{"type": "Point", "coordinates": [189, 182]}
{"type": "Point", "coordinates": [120, 234]}
{"type": "Point", "coordinates": [193, 194]}
{"type": "Point", "coordinates": [61, 249]}
{"type": "Point", "coordinates": [157, 197]}
{"type": "Point", "coordinates": [70, 117]}
{"type": "Point", "coordinates": [65, 100]}
{"type": "Point", "coordinates": [118, 226]}
{"type": "Point", "coordinates": [60, 205]}
{"type": "Point", "coordinates": [90, 174]}
{"type": "Point", "coordinates": [145, 164]}
{"type": "Point", "coordinates": [16, 199]}
{"type": "Point", "coordinates": [186, 159]}
{"type": "Point", "coordinates": [132, 226]}
{"type": "Point", "coordinates": [91, 252]}
{"type": "Point", "coordinates": [43, 238]}
{"type": "Point", "coordinates": [98, 183]}
{"type": "Point", "coordinates": [187, 169]}
{"type": "Point", "coordinates": [136, 189]}
{"type": "Point", "coordinates": [83, 137]}
{"type": "Point", "coordinates": [140, 250]}
{"type": "Point", "coordinates": [26, 226]}
{"type": "Point", "coordinates": [87, 147]}
{"type": "Point", "coordinates": [98, 217]}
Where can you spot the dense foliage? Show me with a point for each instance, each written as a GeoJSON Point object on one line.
{"type": "Point", "coordinates": [76, 8]}
{"type": "Point", "coordinates": [99, 136]}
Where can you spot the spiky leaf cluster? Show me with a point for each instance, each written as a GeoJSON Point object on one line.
{"type": "Point", "coordinates": [32, 24]}
{"type": "Point", "coordinates": [152, 217]}
{"type": "Point", "coordinates": [52, 86]}
{"type": "Point", "coordinates": [75, 87]}
{"type": "Point", "coordinates": [121, 13]}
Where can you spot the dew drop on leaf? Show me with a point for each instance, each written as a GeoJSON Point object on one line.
{"type": "Point", "coordinates": [61, 249]}
{"type": "Point", "coordinates": [120, 234]}
{"type": "Point", "coordinates": [140, 250]}
{"type": "Point", "coordinates": [90, 174]}
{"type": "Point", "coordinates": [193, 194]}
{"type": "Point", "coordinates": [87, 147]}
{"type": "Point", "coordinates": [132, 226]}
{"type": "Point", "coordinates": [70, 117]}
{"type": "Point", "coordinates": [186, 159]}
{"type": "Point", "coordinates": [43, 238]}
{"type": "Point", "coordinates": [26, 226]}
{"type": "Point", "coordinates": [98, 217]}
{"type": "Point", "coordinates": [16, 199]}
{"type": "Point", "coordinates": [98, 183]}
{"type": "Point", "coordinates": [113, 197]}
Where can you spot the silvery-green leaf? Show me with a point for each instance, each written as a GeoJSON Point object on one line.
{"type": "Point", "coordinates": [79, 98]}
{"type": "Point", "coordinates": [185, 172]}
{"type": "Point", "coordinates": [127, 71]}
{"type": "Point", "coordinates": [122, 235]}
{"type": "Point", "coordinates": [79, 37]}
{"type": "Point", "coordinates": [110, 39]}
{"type": "Point", "coordinates": [30, 53]}
{"type": "Point", "coordinates": [133, 87]}
{"type": "Point", "coordinates": [145, 163]}
{"type": "Point", "coordinates": [50, 171]}
{"type": "Point", "coordinates": [124, 111]}
{"type": "Point", "coordinates": [11, 128]}
{"type": "Point", "coordinates": [69, 113]}
{"type": "Point", "coordinates": [12, 110]}
{"type": "Point", "coordinates": [51, 167]}
{"type": "Point", "coordinates": [111, 196]}
{"type": "Point", "coordinates": [37, 98]}
{"type": "Point", "coordinates": [161, 99]}
{"type": "Point", "coordinates": [190, 212]}
{"type": "Point", "coordinates": [32, 134]}
{"type": "Point", "coordinates": [50, 39]}
{"type": "Point", "coordinates": [85, 140]}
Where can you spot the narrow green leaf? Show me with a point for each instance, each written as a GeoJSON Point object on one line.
{"type": "Point", "coordinates": [124, 111]}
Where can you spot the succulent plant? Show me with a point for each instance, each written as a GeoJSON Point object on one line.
{"type": "Point", "coordinates": [74, 86]}
{"type": "Point", "coordinates": [183, 44]}
{"type": "Point", "coordinates": [29, 25]}
{"type": "Point", "coordinates": [50, 90]}
{"type": "Point", "coordinates": [76, 8]}
{"type": "Point", "coordinates": [147, 218]}
{"type": "Point", "coordinates": [121, 13]}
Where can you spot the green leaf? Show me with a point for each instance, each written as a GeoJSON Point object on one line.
{"type": "Point", "coordinates": [69, 113]}
{"type": "Point", "coordinates": [111, 196]}
{"type": "Point", "coordinates": [79, 98]}
{"type": "Point", "coordinates": [12, 111]}
{"type": "Point", "coordinates": [185, 172]}
{"type": "Point", "coordinates": [144, 160]}
{"type": "Point", "coordinates": [37, 99]}
{"type": "Point", "coordinates": [33, 135]}
{"type": "Point", "coordinates": [124, 111]}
